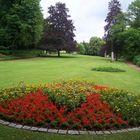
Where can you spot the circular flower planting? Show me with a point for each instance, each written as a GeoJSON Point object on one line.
{"type": "Point", "coordinates": [107, 69]}
{"type": "Point", "coordinates": [70, 105]}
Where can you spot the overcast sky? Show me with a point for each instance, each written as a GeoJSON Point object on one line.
{"type": "Point", "coordinates": [88, 15]}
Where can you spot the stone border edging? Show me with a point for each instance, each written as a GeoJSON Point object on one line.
{"type": "Point", "coordinates": [64, 132]}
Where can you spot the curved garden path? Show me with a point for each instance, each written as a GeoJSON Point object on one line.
{"type": "Point", "coordinates": [134, 66]}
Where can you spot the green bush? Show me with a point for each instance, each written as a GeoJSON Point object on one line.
{"type": "Point", "coordinates": [22, 53]}
{"type": "Point", "coordinates": [108, 69]}
{"type": "Point", "coordinates": [136, 60]}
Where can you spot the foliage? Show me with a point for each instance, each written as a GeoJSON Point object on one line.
{"type": "Point", "coordinates": [134, 14]}
{"type": "Point", "coordinates": [125, 103]}
{"type": "Point", "coordinates": [94, 114]}
{"type": "Point", "coordinates": [123, 32]}
{"type": "Point", "coordinates": [91, 48]}
{"type": "Point", "coordinates": [116, 31]}
{"type": "Point", "coordinates": [59, 30]}
{"type": "Point", "coordinates": [18, 54]}
{"type": "Point", "coordinates": [87, 47]}
{"type": "Point", "coordinates": [37, 109]}
{"type": "Point", "coordinates": [131, 40]}
{"type": "Point", "coordinates": [17, 91]}
{"type": "Point", "coordinates": [70, 104]}
{"type": "Point", "coordinates": [95, 45]}
{"type": "Point", "coordinates": [81, 48]}
{"type": "Point", "coordinates": [108, 69]}
{"type": "Point", "coordinates": [69, 93]}
{"type": "Point", "coordinates": [136, 60]}
{"type": "Point", "coordinates": [114, 8]}
{"type": "Point", "coordinates": [21, 24]}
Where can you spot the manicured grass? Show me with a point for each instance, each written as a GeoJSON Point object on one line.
{"type": "Point", "coordinates": [7, 133]}
{"type": "Point", "coordinates": [44, 70]}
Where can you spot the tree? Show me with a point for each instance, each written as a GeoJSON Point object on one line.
{"type": "Point", "coordinates": [134, 14]}
{"type": "Point", "coordinates": [81, 48]}
{"type": "Point", "coordinates": [84, 48]}
{"type": "Point", "coordinates": [21, 23]}
{"type": "Point", "coordinates": [87, 48]}
{"type": "Point", "coordinates": [59, 31]}
{"type": "Point", "coordinates": [91, 48]}
{"type": "Point", "coordinates": [116, 30]}
{"type": "Point", "coordinates": [114, 10]}
{"type": "Point", "coordinates": [131, 40]}
{"type": "Point", "coordinates": [95, 45]}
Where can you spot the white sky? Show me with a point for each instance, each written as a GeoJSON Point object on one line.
{"type": "Point", "coordinates": [88, 15]}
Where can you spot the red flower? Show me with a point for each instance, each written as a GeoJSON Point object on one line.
{"type": "Point", "coordinates": [100, 87]}
{"type": "Point", "coordinates": [38, 108]}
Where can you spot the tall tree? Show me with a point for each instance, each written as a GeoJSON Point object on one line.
{"type": "Point", "coordinates": [116, 31]}
{"type": "Point", "coordinates": [134, 14]}
{"type": "Point", "coordinates": [21, 23]}
{"type": "Point", "coordinates": [131, 40]}
{"type": "Point", "coordinates": [81, 48]}
{"type": "Point", "coordinates": [59, 32]}
{"type": "Point", "coordinates": [114, 8]}
{"type": "Point", "coordinates": [95, 45]}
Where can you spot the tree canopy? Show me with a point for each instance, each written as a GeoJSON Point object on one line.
{"type": "Point", "coordinates": [134, 14]}
{"type": "Point", "coordinates": [114, 8]}
{"type": "Point", "coordinates": [124, 33]}
{"type": "Point", "coordinates": [59, 30]}
{"type": "Point", "coordinates": [92, 47]}
{"type": "Point", "coordinates": [21, 23]}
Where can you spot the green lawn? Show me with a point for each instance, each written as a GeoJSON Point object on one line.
{"type": "Point", "coordinates": [44, 70]}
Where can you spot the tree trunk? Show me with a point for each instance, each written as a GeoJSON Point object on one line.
{"type": "Point", "coordinates": [58, 53]}
{"type": "Point", "coordinates": [105, 55]}
{"type": "Point", "coordinates": [116, 56]}
{"type": "Point", "coordinates": [112, 56]}
{"type": "Point", "coordinates": [112, 53]}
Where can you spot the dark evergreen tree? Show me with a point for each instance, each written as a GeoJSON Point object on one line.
{"type": "Point", "coordinates": [114, 10]}
{"type": "Point", "coordinates": [59, 31]}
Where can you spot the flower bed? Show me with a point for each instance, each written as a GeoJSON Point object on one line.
{"type": "Point", "coordinates": [70, 105]}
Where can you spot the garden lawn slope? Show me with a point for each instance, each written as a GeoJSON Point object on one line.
{"type": "Point", "coordinates": [76, 67]}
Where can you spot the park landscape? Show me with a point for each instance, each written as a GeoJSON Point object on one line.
{"type": "Point", "coordinates": [49, 80]}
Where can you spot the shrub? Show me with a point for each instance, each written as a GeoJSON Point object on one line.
{"type": "Point", "coordinates": [136, 60]}
{"type": "Point", "coordinates": [107, 69]}
{"type": "Point", "coordinates": [22, 53]}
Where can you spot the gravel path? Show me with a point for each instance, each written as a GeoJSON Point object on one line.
{"type": "Point", "coordinates": [134, 66]}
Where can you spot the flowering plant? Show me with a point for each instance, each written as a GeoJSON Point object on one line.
{"type": "Point", "coordinates": [70, 104]}
{"type": "Point", "coordinates": [37, 109]}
